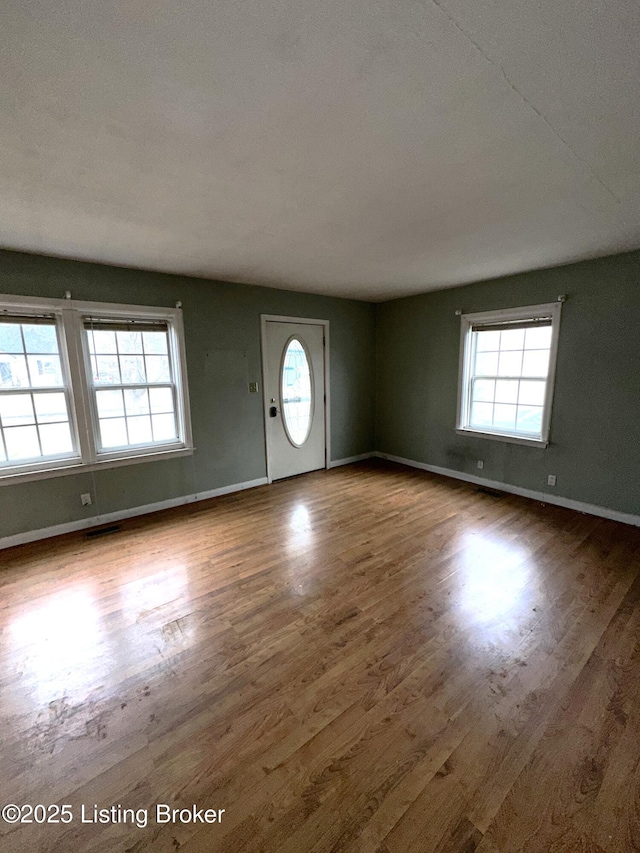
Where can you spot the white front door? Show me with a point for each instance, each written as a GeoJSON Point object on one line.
{"type": "Point", "coordinates": [294, 397]}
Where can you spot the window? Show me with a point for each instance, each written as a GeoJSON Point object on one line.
{"type": "Point", "coordinates": [507, 367]}
{"type": "Point", "coordinates": [295, 393]}
{"type": "Point", "coordinates": [35, 423]}
{"type": "Point", "coordinates": [132, 383]}
{"type": "Point", "coordinates": [89, 384]}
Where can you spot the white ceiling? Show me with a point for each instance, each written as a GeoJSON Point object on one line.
{"type": "Point", "coordinates": [369, 148]}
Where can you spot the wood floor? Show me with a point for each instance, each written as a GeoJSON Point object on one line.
{"type": "Point", "coordinates": [365, 660]}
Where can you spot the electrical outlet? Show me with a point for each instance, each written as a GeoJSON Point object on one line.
{"type": "Point", "coordinates": [86, 499]}
{"type": "Point", "coordinates": [480, 463]}
{"type": "Point", "coordinates": [253, 387]}
{"type": "Point", "coordinates": [551, 480]}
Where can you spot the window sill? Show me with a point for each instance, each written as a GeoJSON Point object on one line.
{"type": "Point", "coordinates": [76, 467]}
{"type": "Point", "coordinates": [510, 439]}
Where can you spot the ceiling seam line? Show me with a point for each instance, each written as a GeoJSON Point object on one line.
{"type": "Point", "coordinates": [512, 85]}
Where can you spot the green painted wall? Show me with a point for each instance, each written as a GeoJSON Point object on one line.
{"type": "Point", "coordinates": [222, 332]}
{"type": "Point", "coordinates": [394, 364]}
{"type": "Point", "coordinates": [595, 426]}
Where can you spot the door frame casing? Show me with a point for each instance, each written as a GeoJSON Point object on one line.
{"type": "Point", "coordinates": [278, 318]}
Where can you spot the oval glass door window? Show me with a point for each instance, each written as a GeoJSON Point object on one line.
{"type": "Point", "coordinates": [295, 392]}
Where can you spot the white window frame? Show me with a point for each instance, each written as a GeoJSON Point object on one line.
{"type": "Point", "coordinates": [552, 310]}
{"type": "Point", "coordinates": [76, 365]}
{"type": "Point", "coordinates": [23, 307]}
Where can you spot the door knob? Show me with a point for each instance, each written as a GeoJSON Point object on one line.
{"type": "Point", "coordinates": [273, 412]}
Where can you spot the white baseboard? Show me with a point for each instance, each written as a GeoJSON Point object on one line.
{"type": "Point", "coordinates": [349, 460]}
{"type": "Point", "coordinates": [543, 497]}
{"type": "Point", "coordinates": [120, 515]}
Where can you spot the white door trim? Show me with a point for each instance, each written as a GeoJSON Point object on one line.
{"type": "Point", "coordinates": [278, 318]}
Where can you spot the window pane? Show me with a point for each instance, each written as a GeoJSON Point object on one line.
{"type": "Point", "coordinates": [484, 390]}
{"type": "Point", "coordinates": [50, 408]}
{"type": "Point", "coordinates": [510, 364]}
{"type": "Point", "coordinates": [110, 404]}
{"type": "Point", "coordinates": [106, 370]}
{"type": "Point", "coordinates": [295, 392]}
{"type": "Point", "coordinates": [140, 430]}
{"type": "Point", "coordinates": [487, 341]}
{"type": "Point", "coordinates": [105, 342]}
{"type": "Point", "coordinates": [512, 339]}
{"type": "Point", "coordinates": [506, 391]}
{"type": "Point", "coordinates": [532, 393]}
{"type": "Point", "coordinates": [161, 399]}
{"type": "Point", "coordinates": [16, 410]}
{"type": "Point", "coordinates": [130, 342]}
{"type": "Point", "coordinates": [513, 378]}
{"type": "Point", "coordinates": [10, 338]}
{"type": "Point", "coordinates": [481, 414]}
{"type": "Point", "coordinates": [40, 368]}
{"type": "Point", "coordinates": [155, 342]}
{"type": "Point", "coordinates": [3, 455]}
{"type": "Point", "coordinates": [40, 338]}
{"type": "Point", "coordinates": [22, 442]}
{"type": "Point", "coordinates": [164, 427]}
{"type": "Point", "coordinates": [136, 401]}
{"type": "Point", "coordinates": [113, 433]}
{"type": "Point", "coordinates": [486, 364]}
{"type": "Point", "coordinates": [538, 338]}
{"type": "Point", "coordinates": [530, 419]}
{"type": "Point", "coordinates": [158, 368]}
{"type": "Point", "coordinates": [504, 416]}
{"type": "Point", "coordinates": [536, 363]}
{"type": "Point", "coordinates": [13, 371]}
{"type": "Point", "coordinates": [56, 439]}
{"type": "Point", "coordinates": [142, 361]}
{"type": "Point", "coordinates": [45, 371]}
{"type": "Point", "coordinates": [132, 370]}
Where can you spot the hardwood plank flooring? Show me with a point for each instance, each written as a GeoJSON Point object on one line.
{"type": "Point", "coordinates": [366, 660]}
